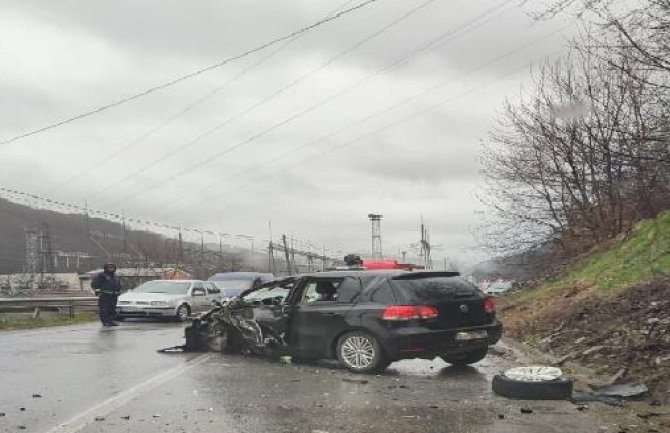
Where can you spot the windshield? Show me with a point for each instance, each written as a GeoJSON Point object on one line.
{"type": "Point", "coordinates": [162, 286]}
{"type": "Point", "coordinates": [233, 284]}
{"type": "Point", "coordinates": [268, 293]}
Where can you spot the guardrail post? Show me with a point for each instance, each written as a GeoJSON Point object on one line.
{"type": "Point", "coordinates": [71, 309]}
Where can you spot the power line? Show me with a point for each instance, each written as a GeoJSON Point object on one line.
{"type": "Point", "coordinates": [31, 200]}
{"type": "Point", "coordinates": [236, 188]}
{"type": "Point", "coordinates": [187, 76]}
{"type": "Point", "coordinates": [392, 124]}
{"type": "Point", "coordinates": [196, 103]}
{"type": "Point", "coordinates": [393, 65]}
{"type": "Point", "coordinates": [270, 97]}
{"type": "Point", "coordinates": [430, 90]}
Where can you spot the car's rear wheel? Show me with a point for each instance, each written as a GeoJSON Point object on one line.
{"type": "Point", "coordinates": [360, 352]}
{"type": "Point", "coordinates": [182, 313]}
{"type": "Point", "coordinates": [465, 358]}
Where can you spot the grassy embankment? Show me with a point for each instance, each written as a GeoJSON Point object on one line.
{"type": "Point", "coordinates": [9, 322]}
{"type": "Point", "coordinates": [639, 257]}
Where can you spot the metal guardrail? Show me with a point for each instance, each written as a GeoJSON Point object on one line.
{"type": "Point", "coordinates": [70, 304]}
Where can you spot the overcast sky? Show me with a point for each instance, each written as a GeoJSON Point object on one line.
{"type": "Point", "coordinates": [302, 134]}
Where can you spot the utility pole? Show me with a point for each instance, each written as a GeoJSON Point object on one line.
{"type": "Point", "coordinates": [271, 258]}
{"type": "Point", "coordinates": [376, 219]}
{"type": "Point", "coordinates": [180, 252]}
{"type": "Point", "coordinates": [286, 253]}
{"type": "Point", "coordinates": [323, 257]}
{"type": "Point", "coordinates": [293, 264]}
{"type": "Point", "coordinates": [123, 222]}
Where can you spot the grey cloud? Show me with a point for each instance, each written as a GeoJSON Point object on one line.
{"type": "Point", "coordinates": [60, 58]}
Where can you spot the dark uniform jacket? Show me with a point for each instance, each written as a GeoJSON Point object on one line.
{"type": "Point", "coordinates": [106, 284]}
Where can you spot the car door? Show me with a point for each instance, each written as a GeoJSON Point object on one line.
{"type": "Point", "coordinates": [319, 314]}
{"type": "Point", "coordinates": [199, 300]}
{"type": "Point", "coordinates": [269, 308]}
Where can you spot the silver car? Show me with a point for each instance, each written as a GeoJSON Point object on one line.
{"type": "Point", "coordinates": [176, 299]}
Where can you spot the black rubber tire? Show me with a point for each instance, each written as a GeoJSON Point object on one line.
{"type": "Point", "coordinates": [465, 358]}
{"type": "Point", "coordinates": [556, 389]}
{"type": "Point", "coordinates": [379, 361]}
{"type": "Point", "coordinates": [180, 318]}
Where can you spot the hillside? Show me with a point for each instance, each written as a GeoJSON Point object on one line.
{"type": "Point", "coordinates": [68, 233]}
{"type": "Point", "coordinates": [609, 310]}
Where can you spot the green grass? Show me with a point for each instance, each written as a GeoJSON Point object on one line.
{"type": "Point", "coordinates": [637, 258]}
{"type": "Point", "coordinates": [26, 322]}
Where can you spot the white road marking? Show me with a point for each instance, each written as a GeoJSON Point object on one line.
{"type": "Point", "coordinates": [85, 418]}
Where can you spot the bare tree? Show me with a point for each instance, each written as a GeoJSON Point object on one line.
{"type": "Point", "coordinates": [581, 157]}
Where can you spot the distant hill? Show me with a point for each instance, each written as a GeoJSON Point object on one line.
{"type": "Point", "coordinates": [97, 239]}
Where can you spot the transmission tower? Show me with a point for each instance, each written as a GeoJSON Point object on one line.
{"type": "Point", "coordinates": [425, 246]}
{"type": "Point", "coordinates": [376, 219]}
{"type": "Point", "coordinates": [32, 251]}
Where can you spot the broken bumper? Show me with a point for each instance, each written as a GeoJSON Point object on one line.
{"type": "Point", "coordinates": [419, 342]}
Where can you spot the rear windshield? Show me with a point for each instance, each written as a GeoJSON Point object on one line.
{"type": "Point", "coordinates": [432, 289]}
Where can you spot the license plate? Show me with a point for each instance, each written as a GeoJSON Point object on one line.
{"type": "Point", "coordinates": [471, 335]}
{"type": "Point", "coordinates": [131, 309]}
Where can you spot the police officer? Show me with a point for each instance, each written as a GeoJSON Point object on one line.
{"type": "Point", "coordinates": [107, 287]}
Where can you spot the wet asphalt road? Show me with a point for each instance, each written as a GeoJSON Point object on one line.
{"type": "Point", "coordinates": [112, 380]}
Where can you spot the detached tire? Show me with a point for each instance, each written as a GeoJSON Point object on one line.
{"type": "Point", "coordinates": [466, 358]}
{"type": "Point", "coordinates": [555, 389]}
{"type": "Point", "coordinates": [360, 352]}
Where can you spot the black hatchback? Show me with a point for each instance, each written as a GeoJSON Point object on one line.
{"type": "Point", "coordinates": [365, 319]}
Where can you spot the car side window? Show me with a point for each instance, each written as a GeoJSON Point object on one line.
{"type": "Point", "coordinates": [198, 289]}
{"type": "Point", "coordinates": [383, 294]}
{"type": "Point", "coordinates": [213, 289]}
{"type": "Point", "coordinates": [320, 291]}
{"type": "Point", "coordinates": [348, 290]}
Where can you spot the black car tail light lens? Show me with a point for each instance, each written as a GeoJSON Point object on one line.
{"type": "Point", "coordinates": [409, 312]}
{"type": "Point", "coordinates": [489, 306]}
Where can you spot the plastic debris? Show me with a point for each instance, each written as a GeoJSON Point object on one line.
{"type": "Point", "coordinates": [625, 390]}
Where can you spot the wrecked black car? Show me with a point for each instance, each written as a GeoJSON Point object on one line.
{"type": "Point", "coordinates": [365, 319]}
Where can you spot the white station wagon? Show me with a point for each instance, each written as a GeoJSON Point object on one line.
{"type": "Point", "coordinates": [168, 299]}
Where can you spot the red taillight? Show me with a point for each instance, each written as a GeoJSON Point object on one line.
{"type": "Point", "coordinates": [409, 312]}
{"type": "Point", "coordinates": [489, 305]}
